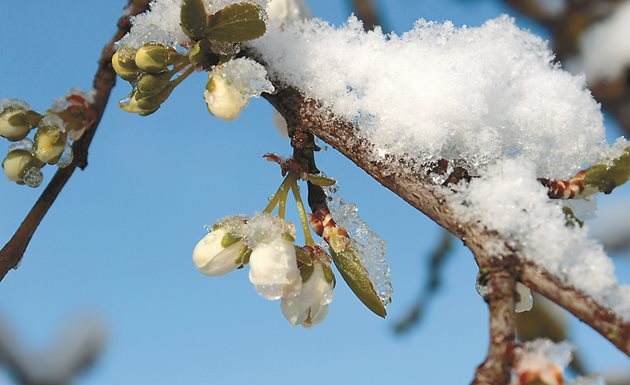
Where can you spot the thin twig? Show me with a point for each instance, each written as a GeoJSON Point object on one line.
{"type": "Point", "coordinates": [104, 81]}
{"type": "Point", "coordinates": [436, 263]}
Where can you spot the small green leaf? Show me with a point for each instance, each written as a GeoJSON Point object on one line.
{"type": "Point", "coordinates": [229, 239]}
{"type": "Point", "coordinates": [329, 275]}
{"type": "Point", "coordinates": [321, 181]}
{"type": "Point", "coordinates": [303, 256]}
{"type": "Point", "coordinates": [355, 275]}
{"type": "Point", "coordinates": [236, 23]}
{"type": "Point", "coordinates": [607, 178]}
{"type": "Point", "coordinates": [28, 119]}
{"type": "Point", "coordinates": [306, 272]}
{"type": "Point", "coordinates": [194, 19]}
{"type": "Point", "coordinates": [243, 256]}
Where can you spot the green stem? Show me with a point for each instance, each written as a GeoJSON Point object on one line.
{"type": "Point", "coordinates": [280, 197]}
{"type": "Point", "coordinates": [304, 219]}
{"type": "Point", "coordinates": [183, 76]}
{"type": "Point", "coordinates": [179, 67]}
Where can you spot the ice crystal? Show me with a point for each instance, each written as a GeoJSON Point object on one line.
{"type": "Point", "coordinates": [369, 245]}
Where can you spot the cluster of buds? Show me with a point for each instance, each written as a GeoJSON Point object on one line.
{"type": "Point", "coordinates": [66, 120]}
{"type": "Point", "coordinates": [299, 276]}
{"type": "Point", "coordinates": [155, 69]}
{"type": "Point", "coordinates": [150, 70]}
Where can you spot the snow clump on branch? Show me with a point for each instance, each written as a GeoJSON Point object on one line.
{"type": "Point", "coordinates": [438, 91]}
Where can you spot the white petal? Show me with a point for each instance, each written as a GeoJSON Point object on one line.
{"type": "Point", "coordinates": [223, 100]}
{"type": "Point", "coordinates": [311, 306]}
{"type": "Point", "coordinates": [213, 259]}
{"type": "Point", "coordinates": [273, 269]}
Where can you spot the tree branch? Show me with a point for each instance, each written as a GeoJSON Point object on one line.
{"type": "Point", "coordinates": [104, 81]}
{"type": "Point", "coordinates": [412, 185]}
{"type": "Point", "coordinates": [497, 368]}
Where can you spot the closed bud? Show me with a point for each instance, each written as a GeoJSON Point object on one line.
{"type": "Point", "coordinates": [124, 64]}
{"type": "Point", "coordinates": [17, 120]}
{"type": "Point", "coordinates": [273, 268]}
{"type": "Point", "coordinates": [219, 252]}
{"type": "Point", "coordinates": [50, 139]}
{"type": "Point", "coordinates": [223, 99]}
{"type": "Point", "coordinates": [21, 167]}
{"type": "Point", "coordinates": [156, 58]}
{"type": "Point", "coordinates": [153, 84]}
{"type": "Point", "coordinates": [311, 305]}
{"type": "Point", "coordinates": [130, 104]}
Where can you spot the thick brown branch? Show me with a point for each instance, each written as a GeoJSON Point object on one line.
{"type": "Point", "coordinates": [412, 185]}
{"type": "Point", "coordinates": [104, 81]}
{"type": "Point", "coordinates": [496, 369]}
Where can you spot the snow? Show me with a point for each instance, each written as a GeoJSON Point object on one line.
{"type": "Point", "coordinates": [247, 76]}
{"type": "Point", "coordinates": [545, 360]}
{"type": "Point", "coordinates": [605, 46]}
{"type": "Point", "coordinates": [440, 91]}
{"type": "Point", "coordinates": [508, 198]}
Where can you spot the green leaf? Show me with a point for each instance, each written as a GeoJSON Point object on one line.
{"type": "Point", "coordinates": [194, 19]}
{"type": "Point", "coordinates": [306, 272]}
{"type": "Point", "coordinates": [321, 181]}
{"type": "Point", "coordinates": [355, 275]}
{"type": "Point", "coordinates": [236, 23]}
{"type": "Point", "coordinates": [303, 256]}
{"type": "Point", "coordinates": [607, 178]}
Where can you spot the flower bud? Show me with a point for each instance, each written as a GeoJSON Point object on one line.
{"type": "Point", "coordinates": [153, 84]}
{"type": "Point", "coordinates": [76, 112]}
{"type": "Point", "coordinates": [124, 64]}
{"type": "Point", "coordinates": [50, 139]}
{"type": "Point", "coordinates": [311, 305]}
{"type": "Point", "coordinates": [142, 105]}
{"type": "Point", "coordinates": [155, 58]}
{"type": "Point", "coordinates": [17, 120]}
{"type": "Point", "coordinates": [218, 253]}
{"type": "Point", "coordinates": [273, 269]}
{"type": "Point", "coordinates": [224, 100]}
{"type": "Point", "coordinates": [21, 167]}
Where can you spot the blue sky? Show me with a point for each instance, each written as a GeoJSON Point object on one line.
{"type": "Point", "coordinates": [118, 241]}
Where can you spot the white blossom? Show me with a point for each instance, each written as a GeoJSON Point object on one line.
{"type": "Point", "coordinates": [232, 84]}
{"type": "Point", "coordinates": [273, 269]}
{"type": "Point", "coordinates": [212, 258]}
{"type": "Point", "coordinates": [311, 306]}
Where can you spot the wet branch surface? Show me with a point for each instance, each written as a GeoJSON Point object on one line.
{"type": "Point", "coordinates": [104, 81]}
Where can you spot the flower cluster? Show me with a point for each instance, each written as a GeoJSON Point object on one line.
{"type": "Point", "coordinates": [207, 42]}
{"type": "Point", "coordinates": [300, 276]}
{"type": "Point", "coordinates": [65, 121]}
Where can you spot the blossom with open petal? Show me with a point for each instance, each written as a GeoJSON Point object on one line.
{"type": "Point", "coordinates": [311, 306]}
{"type": "Point", "coordinates": [218, 253]}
